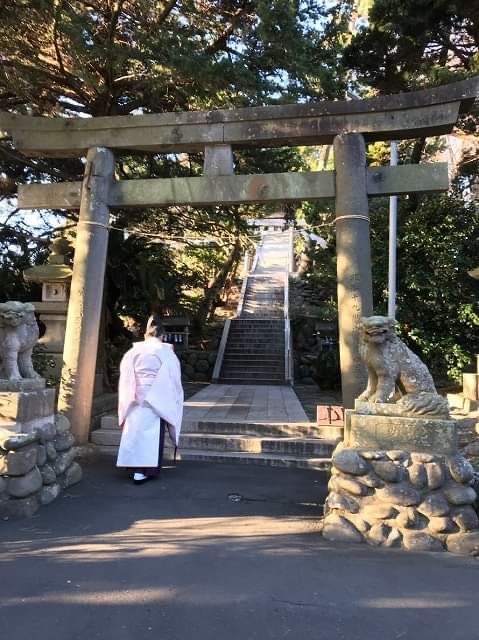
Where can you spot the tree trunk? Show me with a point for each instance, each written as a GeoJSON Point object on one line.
{"type": "Point", "coordinates": [208, 302]}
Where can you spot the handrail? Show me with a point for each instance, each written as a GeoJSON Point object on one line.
{"type": "Point", "coordinates": [288, 352]}
{"type": "Point", "coordinates": [288, 344]}
{"type": "Point", "coordinates": [242, 296]}
{"type": "Point", "coordinates": [291, 264]}
{"type": "Point", "coordinates": [221, 351]}
{"type": "Point", "coordinates": [258, 247]}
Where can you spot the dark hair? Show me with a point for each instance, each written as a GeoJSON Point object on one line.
{"type": "Point", "coordinates": [154, 327]}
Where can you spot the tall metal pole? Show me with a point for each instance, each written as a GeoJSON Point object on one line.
{"type": "Point", "coordinates": [393, 209]}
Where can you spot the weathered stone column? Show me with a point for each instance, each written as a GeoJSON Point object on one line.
{"type": "Point", "coordinates": [355, 298]}
{"type": "Point", "coordinates": [218, 160]}
{"type": "Point", "coordinates": [84, 310]}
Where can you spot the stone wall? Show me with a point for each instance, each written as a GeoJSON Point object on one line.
{"type": "Point", "coordinates": [396, 498]}
{"type": "Point", "coordinates": [304, 296]}
{"type": "Point", "coordinates": [35, 467]}
{"type": "Point", "coordinates": [315, 361]}
{"type": "Point", "coordinates": [197, 366]}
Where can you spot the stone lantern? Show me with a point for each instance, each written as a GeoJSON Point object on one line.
{"type": "Point", "coordinates": [55, 278]}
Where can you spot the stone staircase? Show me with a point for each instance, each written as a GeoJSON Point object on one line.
{"type": "Point", "coordinates": [254, 352]}
{"type": "Point", "coordinates": [267, 444]}
{"type": "Point", "coordinates": [264, 298]}
{"type": "Point", "coordinates": [252, 416]}
{"type": "Point", "coordinates": [255, 347]}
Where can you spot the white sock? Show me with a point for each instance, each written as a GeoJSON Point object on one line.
{"type": "Point", "coordinates": [139, 476]}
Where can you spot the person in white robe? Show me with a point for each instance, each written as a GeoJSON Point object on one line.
{"type": "Point", "coordinates": [150, 403]}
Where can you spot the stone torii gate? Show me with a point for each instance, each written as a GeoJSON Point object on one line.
{"type": "Point", "coordinates": [348, 125]}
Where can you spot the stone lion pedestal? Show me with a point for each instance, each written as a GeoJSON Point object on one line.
{"type": "Point", "coordinates": [398, 481]}
{"type": "Point", "coordinates": [25, 404]}
{"type": "Point", "coordinates": [37, 458]}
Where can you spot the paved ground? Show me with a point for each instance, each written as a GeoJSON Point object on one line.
{"type": "Point", "coordinates": [179, 560]}
{"type": "Point", "coordinates": [245, 403]}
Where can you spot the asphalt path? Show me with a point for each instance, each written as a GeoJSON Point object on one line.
{"type": "Point", "coordinates": [217, 551]}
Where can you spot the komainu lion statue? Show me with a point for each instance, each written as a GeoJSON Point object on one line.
{"type": "Point", "coordinates": [18, 336]}
{"type": "Point", "coordinates": [393, 368]}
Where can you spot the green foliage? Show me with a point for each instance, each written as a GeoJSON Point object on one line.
{"type": "Point", "coordinates": [437, 299]}
{"type": "Point", "coordinates": [413, 43]}
{"type": "Point", "coordinates": [120, 57]}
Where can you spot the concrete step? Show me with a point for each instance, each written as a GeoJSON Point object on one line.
{"type": "Point", "coordinates": [260, 358]}
{"type": "Point", "coordinates": [253, 364]}
{"type": "Point", "coordinates": [251, 374]}
{"type": "Point", "coordinates": [256, 336]}
{"type": "Point", "coordinates": [255, 353]}
{"type": "Point", "coordinates": [261, 429]}
{"type": "Point", "coordinates": [256, 340]}
{"type": "Point", "coordinates": [254, 323]}
{"type": "Point", "coordinates": [247, 380]}
{"type": "Point", "coordinates": [306, 430]}
{"type": "Point", "coordinates": [299, 447]}
{"type": "Point", "coordinates": [259, 352]}
{"type": "Point", "coordinates": [233, 457]}
{"type": "Point", "coordinates": [258, 331]}
{"type": "Point", "coordinates": [264, 459]}
{"type": "Point", "coordinates": [234, 369]}
{"type": "Point", "coordinates": [250, 353]}
{"type": "Point", "coordinates": [106, 437]}
{"type": "Point", "coordinates": [258, 314]}
{"type": "Point", "coordinates": [256, 350]}
{"type": "Point", "coordinates": [110, 422]}
{"type": "Point", "coordinates": [257, 323]}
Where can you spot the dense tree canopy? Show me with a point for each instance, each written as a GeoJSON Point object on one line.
{"type": "Point", "coordinates": [114, 57]}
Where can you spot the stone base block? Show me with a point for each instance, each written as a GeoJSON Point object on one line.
{"type": "Point", "coordinates": [417, 500]}
{"type": "Point", "coordinates": [369, 426]}
{"type": "Point", "coordinates": [470, 386]}
{"type": "Point", "coordinates": [25, 384]}
{"type": "Point", "coordinates": [36, 467]}
{"type": "Point", "coordinates": [24, 411]}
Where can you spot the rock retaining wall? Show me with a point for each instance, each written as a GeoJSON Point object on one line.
{"type": "Point", "coordinates": [197, 366]}
{"type": "Point", "coordinates": [35, 467]}
{"type": "Point", "coordinates": [417, 501]}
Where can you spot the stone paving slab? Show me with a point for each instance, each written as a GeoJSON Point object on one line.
{"type": "Point", "coordinates": [249, 403]}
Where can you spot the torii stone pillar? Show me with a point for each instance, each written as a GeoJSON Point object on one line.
{"type": "Point", "coordinates": [355, 296]}
{"type": "Point", "coordinates": [84, 309]}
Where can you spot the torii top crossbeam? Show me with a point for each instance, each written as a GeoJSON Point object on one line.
{"type": "Point", "coordinates": [405, 115]}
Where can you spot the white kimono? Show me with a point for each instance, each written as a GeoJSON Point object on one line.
{"type": "Point", "coordinates": [149, 390]}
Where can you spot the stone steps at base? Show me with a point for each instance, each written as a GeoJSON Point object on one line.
{"type": "Point", "coordinates": [263, 429]}
{"type": "Point", "coordinates": [270, 460]}
{"type": "Point", "coordinates": [238, 322]}
{"type": "Point", "coordinates": [285, 446]}
{"type": "Point", "coordinates": [256, 359]}
{"type": "Point", "coordinates": [247, 380]}
{"type": "Point", "coordinates": [232, 368]}
{"type": "Point", "coordinates": [257, 345]}
{"type": "Point", "coordinates": [260, 429]}
{"type": "Point", "coordinates": [256, 334]}
{"type": "Point", "coordinates": [248, 351]}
